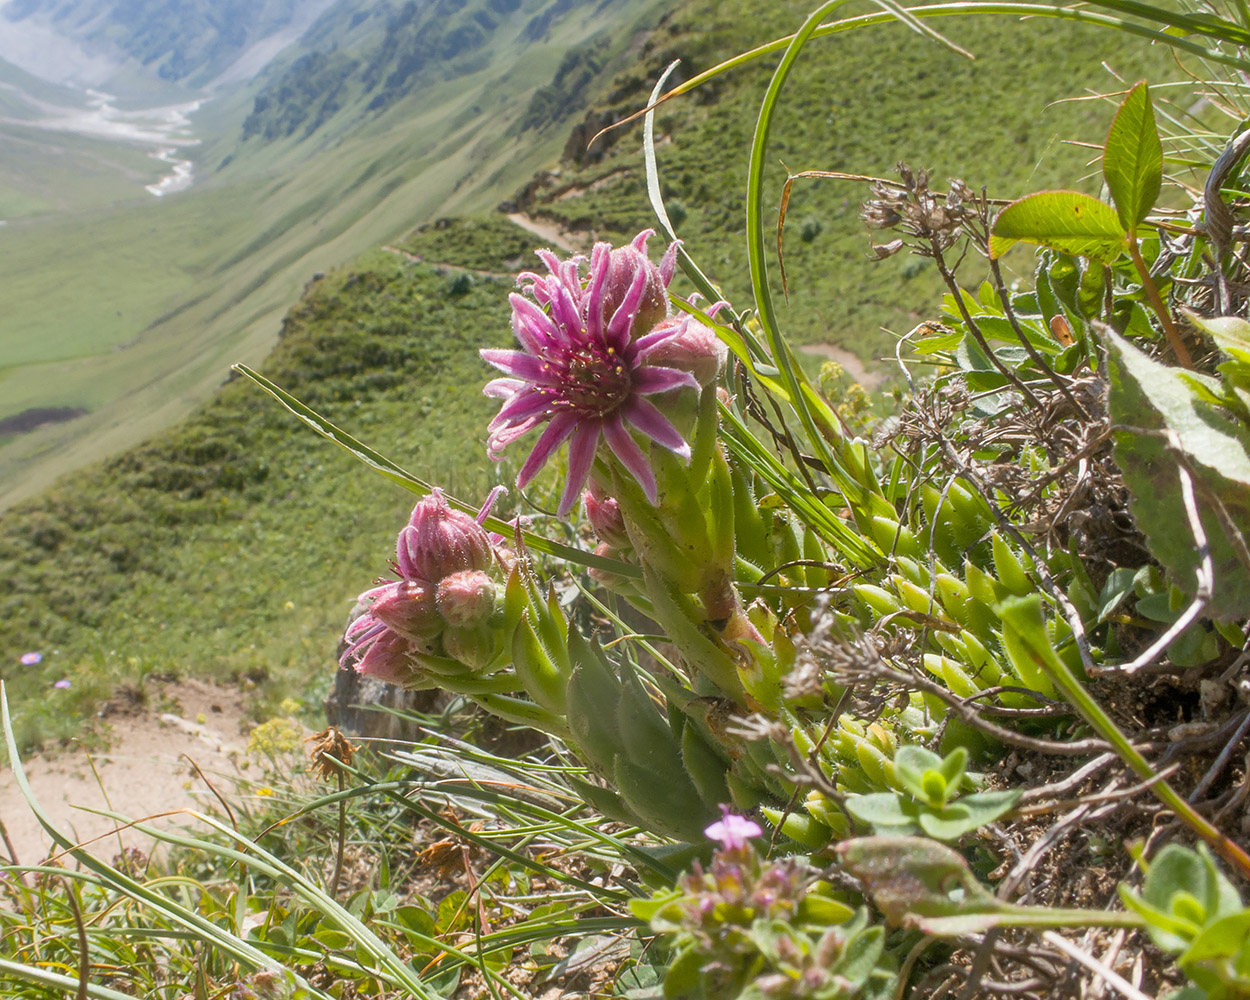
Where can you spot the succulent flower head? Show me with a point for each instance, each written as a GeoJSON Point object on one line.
{"type": "Point", "coordinates": [466, 598]}
{"type": "Point", "coordinates": [440, 540]}
{"type": "Point", "coordinates": [584, 367]}
{"type": "Point", "coordinates": [406, 607]}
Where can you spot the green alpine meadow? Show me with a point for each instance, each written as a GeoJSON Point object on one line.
{"type": "Point", "coordinates": [659, 500]}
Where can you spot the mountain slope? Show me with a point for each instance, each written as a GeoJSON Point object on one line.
{"type": "Point", "coordinates": [171, 291]}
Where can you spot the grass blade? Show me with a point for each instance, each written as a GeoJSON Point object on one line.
{"type": "Point", "coordinates": [383, 465]}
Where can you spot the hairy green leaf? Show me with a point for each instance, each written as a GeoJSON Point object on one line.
{"type": "Point", "coordinates": [1067, 221]}
{"type": "Point", "coordinates": [1160, 422]}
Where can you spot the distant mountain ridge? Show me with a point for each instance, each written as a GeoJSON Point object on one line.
{"type": "Point", "coordinates": [190, 43]}
{"type": "Point", "coordinates": [377, 52]}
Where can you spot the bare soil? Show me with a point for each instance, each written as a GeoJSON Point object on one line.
{"type": "Point", "coordinates": [145, 771]}
{"type": "Point", "coordinates": [548, 231]}
{"type": "Point", "coordinates": [859, 371]}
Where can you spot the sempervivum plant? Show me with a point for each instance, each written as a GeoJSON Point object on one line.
{"type": "Point", "coordinates": [583, 369]}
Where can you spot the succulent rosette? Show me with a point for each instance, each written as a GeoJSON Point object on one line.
{"type": "Point", "coordinates": [584, 371]}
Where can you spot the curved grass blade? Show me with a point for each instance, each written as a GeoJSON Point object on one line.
{"type": "Point", "coordinates": [688, 265]}
{"type": "Point", "coordinates": [381, 464]}
{"type": "Point", "coordinates": [390, 966]}
{"type": "Point", "coordinates": [54, 980]}
{"type": "Point", "coordinates": [848, 467]}
{"type": "Point", "coordinates": [1219, 28]}
{"type": "Point", "coordinates": [796, 494]}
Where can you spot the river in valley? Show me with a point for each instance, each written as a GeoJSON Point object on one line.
{"type": "Point", "coordinates": [166, 130]}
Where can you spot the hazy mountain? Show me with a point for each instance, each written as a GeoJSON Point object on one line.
{"type": "Point", "coordinates": [192, 42]}
{"type": "Point", "coordinates": [373, 53]}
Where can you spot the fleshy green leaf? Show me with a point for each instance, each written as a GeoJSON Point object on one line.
{"type": "Point", "coordinates": [1151, 404]}
{"type": "Point", "coordinates": [1066, 221]}
{"type": "Point", "coordinates": [884, 811]}
{"type": "Point", "coordinates": [1132, 161]}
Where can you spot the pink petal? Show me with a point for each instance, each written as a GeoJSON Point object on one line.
{"type": "Point", "coordinates": [599, 258]}
{"type": "Point", "coordinates": [625, 448]}
{"type": "Point", "coordinates": [567, 315]}
{"type": "Point", "coordinates": [623, 319]}
{"type": "Point", "coordinates": [668, 265]}
{"type": "Point", "coordinates": [525, 404]}
{"type": "Point", "coordinates": [649, 342]}
{"type": "Point", "coordinates": [533, 327]}
{"type": "Point", "coordinates": [639, 242]}
{"type": "Point", "coordinates": [655, 425]}
{"type": "Point", "coordinates": [518, 363]}
{"type": "Point", "coordinates": [655, 378]}
{"type": "Point", "coordinates": [503, 388]}
{"type": "Point", "coordinates": [504, 436]}
{"type": "Point", "coordinates": [561, 426]}
{"type": "Point", "coordinates": [581, 457]}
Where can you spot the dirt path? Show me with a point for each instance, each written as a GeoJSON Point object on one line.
{"type": "Point", "coordinates": [416, 258]}
{"type": "Point", "coordinates": [143, 772]}
{"type": "Point", "coordinates": [860, 372]}
{"type": "Point", "coordinates": [545, 230]}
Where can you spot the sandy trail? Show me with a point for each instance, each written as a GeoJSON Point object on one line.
{"type": "Point", "coordinates": [143, 772]}
{"type": "Point", "coordinates": [858, 371]}
{"type": "Point", "coordinates": [545, 230]}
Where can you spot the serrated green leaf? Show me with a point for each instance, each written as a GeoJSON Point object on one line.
{"type": "Point", "coordinates": [1132, 160]}
{"type": "Point", "coordinates": [1067, 221]}
{"type": "Point", "coordinates": [1148, 402]}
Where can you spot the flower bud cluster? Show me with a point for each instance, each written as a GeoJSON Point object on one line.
{"type": "Point", "coordinates": [752, 928]}
{"type": "Point", "coordinates": [720, 905]}
{"type": "Point", "coordinates": [442, 605]}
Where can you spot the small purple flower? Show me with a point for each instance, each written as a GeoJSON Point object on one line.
{"type": "Point", "coordinates": [30, 659]}
{"type": "Point", "coordinates": [733, 831]}
{"type": "Point", "coordinates": [62, 684]}
{"type": "Point", "coordinates": [583, 368]}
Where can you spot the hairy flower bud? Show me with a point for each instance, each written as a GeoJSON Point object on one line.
{"type": "Point", "coordinates": [387, 659]}
{"type": "Point", "coordinates": [465, 598]}
{"type": "Point", "coordinates": [606, 578]}
{"type": "Point", "coordinates": [605, 517]}
{"type": "Point", "coordinates": [695, 348]}
{"type": "Point", "coordinates": [440, 540]}
{"type": "Point", "coordinates": [406, 607]}
{"type": "Point", "coordinates": [647, 295]}
{"type": "Point", "coordinates": [476, 647]}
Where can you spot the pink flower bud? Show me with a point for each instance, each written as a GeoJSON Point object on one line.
{"type": "Point", "coordinates": [440, 540]}
{"type": "Point", "coordinates": [465, 598]}
{"type": "Point", "coordinates": [613, 581]}
{"type": "Point", "coordinates": [387, 659]}
{"type": "Point", "coordinates": [605, 517]}
{"type": "Point", "coordinates": [406, 607]}
{"type": "Point", "coordinates": [634, 280]}
{"type": "Point", "coordinates": [694, 348]}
